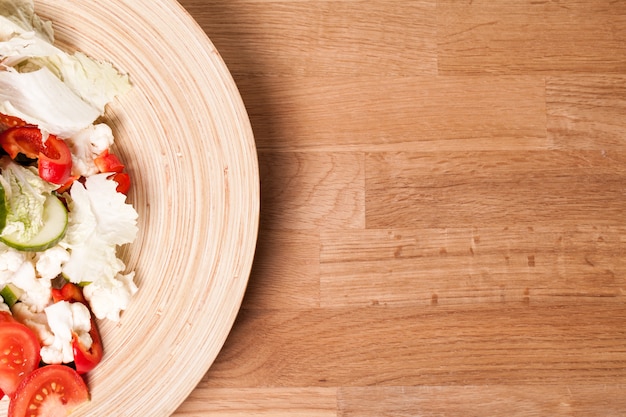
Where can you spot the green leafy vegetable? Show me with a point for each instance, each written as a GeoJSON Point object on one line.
{"type": "Point", "coordinates": [39, 83]}
{"type": "Point", "coordinates": [26, 194]}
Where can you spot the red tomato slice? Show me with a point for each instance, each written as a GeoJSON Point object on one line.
{"type": "Point", "coordinates": [84, 359]}
{"type": "Point", "coordinates": [87, 359]}
{"type": "Point", "coordinates": [25, 140]}
{"type": "Point", "coordinates": [55, 162]}
{"type": "Point", "coordinates": [123, 182]}
{"type": "Point", "coordinates": [50, 391]}
{"type": "Point", "coordinates": [69, 292]}
{"type": "Point", "coordinates": [68, 184]}
{"type": "Point", "coordinates": [5, 316]}
{"type": "Point", "coordinates": [19, 354]}
{"type": "Point", "coordinates": [54, 157]}
{"type": "Point", "coordinates": [108, 162]}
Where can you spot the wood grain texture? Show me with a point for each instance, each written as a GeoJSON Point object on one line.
{"type": "Point", "coordinates": [514, 401]}
{"type": "Point", "coordinates": [348, 37]}
{"type": "Point", "coordinates": [262, 402]}
{"type": "Point", "coordinates": [308, 190]}
{"type": "Point", "coordinates": [286, 270]}
{"type": "Point", "coordinates": [421, 267]}
{"type": "Point", "coordinates": [481, 344]}
{"type": "Point", "coordinates": [455, 189]}
{"type": "Point", "coordinates": [586, 112]}
{"type": "Point", "coordinates": [443, 189]}
{"type": "Point", "coordinates": [372, 113]}
{"type": "Point", "coordinates": [527, 36]}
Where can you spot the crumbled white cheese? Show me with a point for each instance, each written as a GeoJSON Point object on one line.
{"type": "Point", "coordinates": [82, 323]}
{"type": "Point", "coordinates": [60, 322]}
{"type": "Point", "coordinates": [64, 319]}
{"type": "Point", "coordinates": [36, 321]}
{"type": "Point", "coordinates": [36, 291]}
{"type": "Point", "coordinates": [108, 298]}
{"type": "Point", "coordinates": [50, 262]}
{"type": "Point", "coordinates": [10, 261]}
{"type": "Point", "coordinates": [88, 144]}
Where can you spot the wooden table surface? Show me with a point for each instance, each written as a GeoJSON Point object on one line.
{"type": "Point", "coordinates": [443, 211]}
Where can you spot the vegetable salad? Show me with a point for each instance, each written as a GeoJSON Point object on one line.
{"type": "Point", "coordinates": [63, 213]}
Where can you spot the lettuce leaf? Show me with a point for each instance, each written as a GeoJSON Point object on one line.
{"type": "Point", "coordinates": [42, 99]}
{"type": "Point", "coordinates": [39, 83]}
{"type": "Point", "coordinates": [99, 220]}
{"type": "Point", "coordinates": [19, 15]}
{"type": "Point", "coordinates": [18, 47]}
{"type": "Point", "coordinates": [95, 82]}
{"type": "Point", "coordinates": [26, 193]}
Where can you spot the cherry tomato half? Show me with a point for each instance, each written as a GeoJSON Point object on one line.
{"type": "Point", "coordinates": [54, 157]}
{"type": "Point", "coordinates": [52, 390]}
{"type": "Point", "coordinates": [19, 354]}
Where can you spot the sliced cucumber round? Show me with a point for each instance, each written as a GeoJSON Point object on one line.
{"type": "Point", "coordinates": [53, 230]}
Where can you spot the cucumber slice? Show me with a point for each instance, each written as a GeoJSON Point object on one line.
{"type": "Point", "coordinates": [10, 294]}
{"type": "Point", "coordinates": [53, 230]}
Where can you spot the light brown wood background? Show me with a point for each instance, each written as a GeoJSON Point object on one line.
{"type": "Point", "coordinates": [443, 221]}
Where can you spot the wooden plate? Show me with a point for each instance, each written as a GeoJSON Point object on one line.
{"type": "Point", "coordinates": [185, 137]}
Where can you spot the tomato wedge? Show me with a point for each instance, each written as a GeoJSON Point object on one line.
{"type": "Point", "coordinates": [50, 391]}
{"type": "Point", "coordinates": [108, 162]}
{"type": "Point", "coordinates": [87, 359]}
{"type": "Point", "coordinates": [84, 359]}
{"type": "Point", "coordinates": [54, 157]}
{"type": "Point", "coordinates": [123, 182]}
{"type": "Point", "coordinates": [55, 162]}
{"type": "Point", "coordinates": [19, 354]}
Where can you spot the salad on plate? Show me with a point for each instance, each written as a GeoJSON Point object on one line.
{"type": "Point", "coordinates": [63, 215]}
